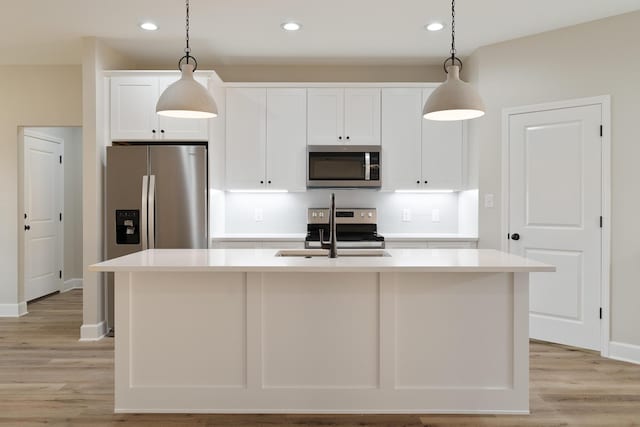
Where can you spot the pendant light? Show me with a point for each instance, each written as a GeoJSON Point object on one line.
{"type": "Point", "coordinates": [454, 99]}
{"type": "Point", "coordinates": [187, 98]}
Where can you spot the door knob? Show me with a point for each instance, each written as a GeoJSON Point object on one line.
{"type": "Point", "coordinates": [515, 236]}
{"type": "Point", "coordinates": [27, 227]}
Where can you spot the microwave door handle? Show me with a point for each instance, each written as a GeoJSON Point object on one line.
{"type": "Point", "coordinates": [145, 212]}
{"type": "Point", "coordinates": [367, 166]}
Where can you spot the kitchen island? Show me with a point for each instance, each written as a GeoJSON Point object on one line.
{"type": "Point", "coordinates": [248, 331]}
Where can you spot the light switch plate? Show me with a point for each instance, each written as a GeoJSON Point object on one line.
{"type": "Point", "coordinates": [257, 215]}
{"type": "Point", "coordinates": [435, 215]}
{"type": "Point", "coordinates": [488, 200]}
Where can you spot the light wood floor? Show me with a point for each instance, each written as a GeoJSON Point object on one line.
{"type": "Point", "coordinates": [49, 378]}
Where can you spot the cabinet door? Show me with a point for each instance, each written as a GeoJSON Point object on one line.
{"type": "Point", "coordinates": [401, 139]}
{"type": "Point", "coordinates": [325, 113]}
{"type": "Point", "coordinates": [174, 129]}
{"type": "Point", "coordinates": [442, 153]}
{"type": "Point", "coordinates": [246, 138]}
{"type": "Point", "coordinates": [362, 116]}
{"type": "Point", "coordinates": [133, 108]}
{"type": "Point", "coordinates": [286, 139]}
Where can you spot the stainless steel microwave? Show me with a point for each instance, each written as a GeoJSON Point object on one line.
{"type": "Point", "coordinates": [346, 166]}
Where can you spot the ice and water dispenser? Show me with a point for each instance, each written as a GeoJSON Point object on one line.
{"type": "Point", "coordinates": [128, 227]}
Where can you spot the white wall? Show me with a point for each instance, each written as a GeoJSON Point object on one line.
{"type": "Point", "coordinates": [96, 58]}
{"type": "Point", "coordinates": [287, 212]}
{"type": "Point", "coordinates": [30, 96]}
{"type": "Point", "coordinates": [72, 164]}
{"type": "Point", "coordinates": [596, 58]}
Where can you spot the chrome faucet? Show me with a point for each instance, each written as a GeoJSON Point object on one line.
{"type": "Point", "coordinates": [332, 243]}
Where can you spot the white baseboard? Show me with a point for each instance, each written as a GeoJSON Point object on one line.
{"type": "Point", "coordinates": [624, 352]}
{"type": "Point", "coordinates": [13, 310]}
{"type": "Point", "coordinates": [93, 332]}
{"type": "Point", "coordinates": [71, 284]}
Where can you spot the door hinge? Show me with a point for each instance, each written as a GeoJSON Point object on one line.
{"type": "Point", "coordinates": [60, 216]}
{"type": "Point", "coordinates": [600, 221]}
{"type": "Point", "coordinates": [60, 274]}
{"type": "Point", "coordinates": [601, 130]}
{"type": "Point", "coordinates": [601, 312]}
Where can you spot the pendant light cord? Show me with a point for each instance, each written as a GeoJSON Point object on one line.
{"type": "Point", "coordinates": [187, 49]}
{"type": "Point", "coordinates": [453, 58]}
{"type": "Point", "coordinates": [453, 30]}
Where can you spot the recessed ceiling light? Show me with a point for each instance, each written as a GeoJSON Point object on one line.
{"type": "Point", "coordinates": [434, 26]}
{"type": "Point", "coordinates": [291, 26]}
{"type": "Point", "coordinates": [149, 26]}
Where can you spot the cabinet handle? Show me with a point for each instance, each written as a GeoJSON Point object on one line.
{"type": "Point", "coordinates": [418, 182]}
{"type": "Point", "coordinates": [340, 137]}
{"type": "Point", "coordinates": [268, 182]}
{"type": "Point", "coordinates": [153, 131]}
{"type": "Point", "coordinates": [261, 182]}
{"type": "Point", "coordinates": [348, 137]}
{"type": "Point", "coordinates": [162, 131]}
{"type": "Point", "coordinates": [426, 182]}
{"type": "Point", "coordinates": [27, 227]}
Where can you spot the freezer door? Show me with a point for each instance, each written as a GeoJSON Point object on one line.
{"type": "Point", "coordinates": [178, 203]}
{"type": "Point", "coordinates": [126, 169]}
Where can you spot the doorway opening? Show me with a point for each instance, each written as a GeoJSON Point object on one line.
{"type": "Point", "coordinates": [50, 210]}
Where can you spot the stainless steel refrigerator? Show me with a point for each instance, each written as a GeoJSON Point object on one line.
{"type": "Point", "coordinates": [157, 197]}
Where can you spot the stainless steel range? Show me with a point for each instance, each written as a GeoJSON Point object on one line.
{"type": "Point", "coordinates": [355, 228]}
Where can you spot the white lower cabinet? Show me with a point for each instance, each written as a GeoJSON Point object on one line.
{"type": "Point", "coordinates": [418, 154]}
{"type": "Point", "coordinates": [266, 139]}
{"type": "Point", "coordinates": [430, 244]}
{"type": "Point", "coordinates": [258, 245]}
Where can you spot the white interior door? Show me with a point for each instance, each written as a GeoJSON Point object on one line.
{"type": "Point", "coordinates": [555, 189]}
{"type": "Point", "coordinates": [43, 206]}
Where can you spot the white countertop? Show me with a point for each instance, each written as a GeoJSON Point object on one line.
{"type": "Point", "coordinates": [439, 237]}
{"type": "Point", "coordinates": [264, 260]}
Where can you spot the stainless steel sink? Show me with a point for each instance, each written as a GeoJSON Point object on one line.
{"type": "Point", "coordinates": [309, 253]}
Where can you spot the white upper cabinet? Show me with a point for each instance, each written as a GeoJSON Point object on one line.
{"type": "Point", "coordinates": [246, 138]}
{"type": "Point", "coordinates": [401, 138]}
{"type": "Point", "coordinates": [133, 112]}
{"type": "Point", "coordinates": [418, 154]}
{"type": "Point", "coordinates": [343, 116]}
{"type": "Point", "coordinates": [266, 139]}
{"type": "Point", "coordinates": [286, 139]}
{"type": "Point", "coordinates": [442, 152]}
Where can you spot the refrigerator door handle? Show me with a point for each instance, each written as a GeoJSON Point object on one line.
{"type": "Point", "coordinates": [152, 211]}
{"type": "Point", "coordinates": [144, 215]}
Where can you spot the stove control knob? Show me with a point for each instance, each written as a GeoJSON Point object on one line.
{"type": "Point", "coordinates": [361, 214]}
{"type": "Point", "coordinates": [314, 214]}
{"type": "Point", "coordinates": [321, 214]}
{"type": "Point", "coordinates": [370, 215]}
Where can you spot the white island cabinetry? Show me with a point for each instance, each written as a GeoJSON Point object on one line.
{"type": "Point", "coordinates": [246, 331]}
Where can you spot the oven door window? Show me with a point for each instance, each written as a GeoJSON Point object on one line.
{"type": "Point", "coordinates": [337, 166]}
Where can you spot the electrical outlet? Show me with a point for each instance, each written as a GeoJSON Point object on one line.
{"type": "Point", "coordinates": [435, 215]}
{"type": "Point", "coordinates": [488, 200]}
{"type": "Point", "coordinates": [257, 215]}
{"type": "Point", "coordinates": [406, 215]}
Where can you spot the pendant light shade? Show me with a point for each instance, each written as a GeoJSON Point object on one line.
{"type": "Point", "coordinates": [453, 100]}
{"type": "Point", "coordinates": [187, 98]}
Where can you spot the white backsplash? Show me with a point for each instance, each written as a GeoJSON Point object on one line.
{"type": "Point", "coordinates": [274, 213]}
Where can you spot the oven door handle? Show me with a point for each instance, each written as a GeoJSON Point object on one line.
{"type": "Point", "coordinates": [367, 166]}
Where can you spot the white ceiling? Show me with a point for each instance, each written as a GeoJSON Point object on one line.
{"type": "Point", "coordinates": [248, 31]}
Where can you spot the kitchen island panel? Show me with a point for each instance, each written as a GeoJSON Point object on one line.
{"type": "Point", "coordinates": [320, 330]}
